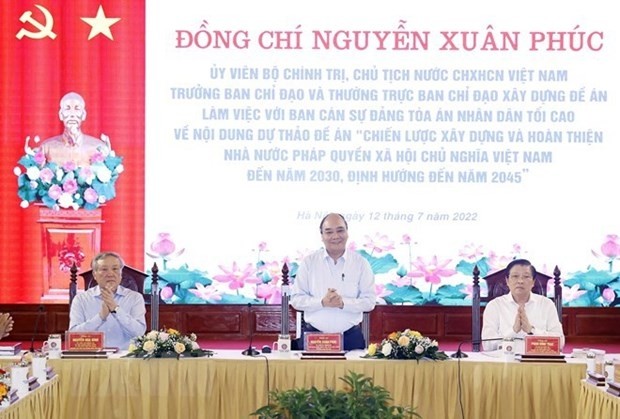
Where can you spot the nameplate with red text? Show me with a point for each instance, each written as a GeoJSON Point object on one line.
{"type": "Point", "coordinates": [542, 345]}
{"type": "Point", "coordinates": [84, 341]}
{"type": "Point", "coordinates": [323, 342]}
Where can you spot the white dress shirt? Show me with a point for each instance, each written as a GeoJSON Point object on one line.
{"type": "Point", "coordinates": [499, 317]}
{"type": "Point", "coordinates": [128, 322]}
{"type": "Point", "coordinates": [351, 276]}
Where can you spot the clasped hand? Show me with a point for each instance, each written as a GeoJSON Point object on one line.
{"type": "Point", "coordinates": [6, 324]}
{"type": "Point", "coordinates": [108, 303]}
{"type": "Point", "coordinates": [521, 321]}
{"type": "Point", "coordinates": [332, 299]}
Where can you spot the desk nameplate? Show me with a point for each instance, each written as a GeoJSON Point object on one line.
{"type": "Point", "coordinates": [542, 345]}
{"type": "Point", "coordinates": [84, 341]}
{"type": "Point", "coordinates": [323, 342]}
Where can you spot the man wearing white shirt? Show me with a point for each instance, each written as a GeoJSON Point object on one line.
{"type": "Point", "coordinates": [334, 286]}
{"type": "Point", "coordinates": [109, 307]}
{"type": "Point", "coordinates": [520, 312]}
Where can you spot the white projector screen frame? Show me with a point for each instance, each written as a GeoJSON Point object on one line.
{"type": "Point", "coordinates": [448, 134]}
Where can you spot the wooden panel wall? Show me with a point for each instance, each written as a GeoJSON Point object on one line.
{"type": "Point", "coordinates": [234, 322]}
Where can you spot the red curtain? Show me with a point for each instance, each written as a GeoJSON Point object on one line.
{"type": "Point", "coordinates": [34, 75]}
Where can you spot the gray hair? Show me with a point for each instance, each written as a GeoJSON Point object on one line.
{"type": "Point", "coordinates": [104, 255]}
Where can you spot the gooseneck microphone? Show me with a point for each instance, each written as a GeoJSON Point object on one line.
{"type": "Point", "coordinates": [461, 354]}
{"type": "Point", "coordinates": [40, 310]}
{"type": "Point", "coordinates": [250, 351]}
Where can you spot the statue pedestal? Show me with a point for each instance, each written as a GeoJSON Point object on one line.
{"type": "Point", "coordinates": [68, 236]}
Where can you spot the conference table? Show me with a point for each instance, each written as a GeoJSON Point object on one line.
{"type": "Point", "coordinates": [230, 385]}
{"type": "Point", "coordinates": [41, 403]}
{"type": "Point", "coordinates": [596, 403]}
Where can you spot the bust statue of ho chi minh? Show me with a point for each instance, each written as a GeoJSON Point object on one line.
{"type": "Point", "coordinates": [73, 144]}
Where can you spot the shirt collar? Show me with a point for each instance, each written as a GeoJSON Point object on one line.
{"type": "Point", "coordinates": [119, 291]}
{"type": "Point", "coordinates": [343, 257]}
{"type": "Point", "coordinates": [530, 300]}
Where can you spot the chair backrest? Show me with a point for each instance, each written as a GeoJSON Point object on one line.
{"type": "Point", "coordinates": [496, 286]}
{"type": "Point", "coordinates": [132, 279]}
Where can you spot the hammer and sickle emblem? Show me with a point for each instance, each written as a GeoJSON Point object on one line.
{"type": "Point", "coordinates": [44, 30]}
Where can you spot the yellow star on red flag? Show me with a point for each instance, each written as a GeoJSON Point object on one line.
{"type": "Point", "coordinates": [100, 24]}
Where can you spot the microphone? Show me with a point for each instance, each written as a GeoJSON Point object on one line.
{"type": "Point", "coordinates": [40, 310]}
{"type": "Point", "coordinates": [461, 354]}
{"type": "Point", "coordinates": [250, 351]}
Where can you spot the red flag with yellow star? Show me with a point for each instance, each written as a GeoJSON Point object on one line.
{"type": "Point", "coordinates": [49, 48]}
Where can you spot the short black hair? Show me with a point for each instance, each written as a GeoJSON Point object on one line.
{"type": "Point", "coordinates": [346, 226]}
{"type": "Point", "coordinates": [520, 262]}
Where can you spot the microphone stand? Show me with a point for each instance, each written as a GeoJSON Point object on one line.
{"type": "Point", "coordinates": [250, 351]}
{"type": "Point", "coordinates": [36, 326]}
{"type": "Point", "coordinates": [460, 354]}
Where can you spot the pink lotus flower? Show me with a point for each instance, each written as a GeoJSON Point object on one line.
{"type": "Point", "coordinates": [609, 295]}
{"type": "Point", "coordinates": [380, 243]}
{"type": "Point", "coordinates": [406, 239]}
{"type": "Point", "coordinates": [471, 252]}
{"type": "Point", "coordinates": [167, 293]}
{"type": "Point", "coordinates": [208, 293]}
{"type": "Point", "coordinates": [270, 292]}
{"type": "Point", "coordinates": [431, 271]}
{"type": "Point", "coordinates": [163, 245]}
{"type": "Point", "coordinates": [262, 246]}
{"type": "Point", "coordinates": [273, 270]}
{"type": "Point", "coordinates": [381, 291]}
{"type": "Point", "coordinates": [498, 262]}
{"type": "Point", "coordinates": [402, 281]}
{"type": "Point", "coordinates": [237, 278]}
{"type": "Point", "coordinates": [572, 293]}
{"type": "Point", "coordinates": [611, 247]}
